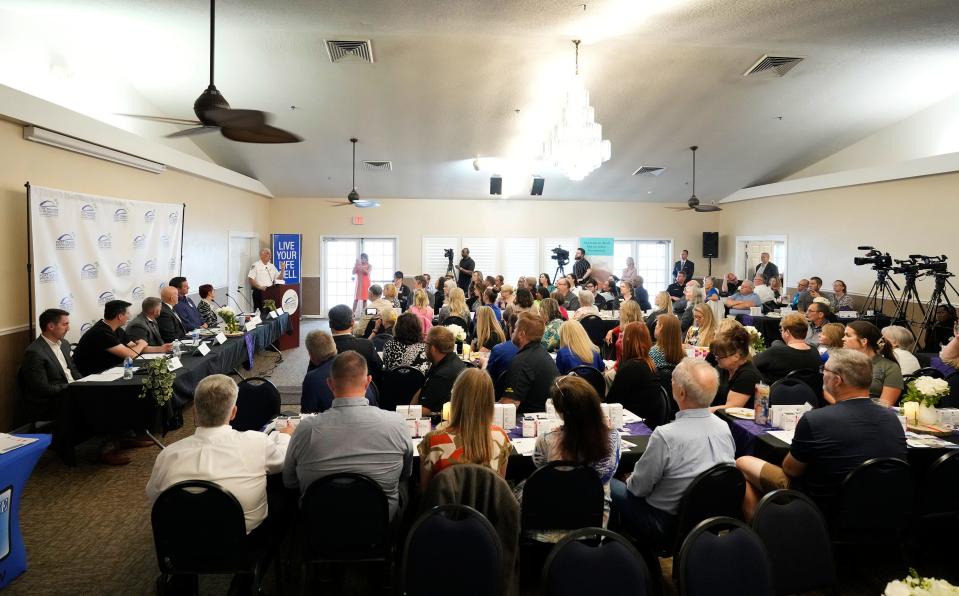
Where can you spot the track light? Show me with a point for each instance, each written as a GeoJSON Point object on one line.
{"type": "Point", "coordinates": [538, 182]}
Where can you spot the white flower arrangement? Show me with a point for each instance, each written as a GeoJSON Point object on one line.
{"type": "Point", "coordinates": [756, 343]}
{"type": "Point", "coordinates": [919, 586]}
{"type": "Point", "coordinates": [822, 300]}
{"type": "Point", "coordinates": [229, 319]}
{"type": "Point", "coordinates": [458, 332]}
{"type": "Point", "coordinates": [926, 390]}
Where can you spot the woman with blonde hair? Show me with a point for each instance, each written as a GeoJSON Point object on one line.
{"type": "Point", "coordinates": [576, 349]}
{"type": "Point", "coordinates": [506, 296]}
{"type": "Point", "coordinates": [389, 293]}
{"type": "Point", "coordinates": [703, 331]}
{"type": "Point", "coordinates": [421, 308]}
{"type": "Point", "coordinates": [553, 319]}
{"type": "Point", "coordinates": [489, 333]}
{"type": "Point", "coordinates": [727, 325]}
{"type": "Point", "coordinates": [629, 312]}
{"type": "Point", "coordinates": [455, 306]}
{"type": "Point", "coordinates": [470, 437]}
{"type": "Point", "coordinates": [668, 350]}
{"type": "Point", "coordinates": [664, 305]}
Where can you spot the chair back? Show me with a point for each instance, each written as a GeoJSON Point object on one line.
{"type": "Point", "coordinates": [662, 412]}
{"type": "Point", "coordinates": [596, 329]}
{"type": "Point", "coordinates": [811, 377]}
{"type": "Point", "coordinates": [593, 377]}
{"type": "Point", "coordinates": [797, 541]}
{"type": "Point", "coordinates": [665, 374]}
{"type": "Point", "coordinates": [399, 386]}
{"type": "Point", "coordinates": [499, 385]}
{"type": "Point", "coordinates": [562, 496]}
{"type": "Point", "coordinates": [614, 566]}
{"type": "Point", "coordinates": [875, 501]}
{"type": "Point", "coordinates": [345, 517]}
{"type": "Point", "coordinates": [199, 528]}
{"type": "Point", "coordinates": [927, 371]}
{"type": "Point", "coordinates": [454, 320]}
{"type": "Point", "coordinates": [257, 402]}
{"type": "Point", "coordinates": [940, 486]}
{"type": "Point", "coordinates": [470, 557]}
{"type": "Point", "coordinates": [718, 308]}
{"type": "Point", "coordinates": [723, 556]}
{"type": "Point", "coordinates": [717, 492]}
{"type": "Point", "coordinates": [791, 392]}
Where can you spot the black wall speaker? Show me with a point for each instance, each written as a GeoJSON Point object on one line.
{"type": "Point", "coordinates": [711, 245]}
{"type": "Point", "coordinates": [496, 185]}
{"type": "Point", "coordinates": [538, 184]}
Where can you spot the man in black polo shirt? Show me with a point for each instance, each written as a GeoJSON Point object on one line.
{"type": "Point", "coordinates": [440, 346]}
{"type": "Point", "coordinates": [465, 268]}
{"type": "Point", "coordinates": [106, 344]}
{"type": "Point", "coordinates": [341, 326]}
{"type": "Point", "coordinates": [532, 372]}
{"type": "Point", "coordinates": [581, 268]}
{"type": "Point", "coordinates": [830, 442]}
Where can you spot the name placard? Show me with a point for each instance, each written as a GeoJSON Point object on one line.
{"type": "Point", "coordinates": [273, 314]}
{"type": "Point", "coordinates": [220, 338]}
{"type": "Point", "coordinates": [250, 325]}
{"type": "Point", "coordinates": [173, 364]}
{"type": "Point", "coordinates": [204, 349]}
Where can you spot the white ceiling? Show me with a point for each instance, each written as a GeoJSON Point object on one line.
{"type": "Point", "coordinates": [450, 75]}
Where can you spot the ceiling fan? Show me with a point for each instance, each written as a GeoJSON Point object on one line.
{"type": "Point", "coordinates": [354, 197]}
{"type": "Point", "coordinates": [693, 201]}
{"type": "Point", "coordinates": [214, 113]}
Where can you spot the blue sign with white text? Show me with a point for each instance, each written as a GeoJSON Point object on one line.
{"type": "Point", "coordinates": [286, 256]}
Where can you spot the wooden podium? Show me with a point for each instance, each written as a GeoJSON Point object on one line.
{"type": "Point", "coordinates": [287, 297]}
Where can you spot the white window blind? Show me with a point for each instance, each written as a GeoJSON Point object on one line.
{"type": "Point", "coordinates": [519, 258]}
{"type": "Point", "coordinates": [549, 243]}
{"type": "Point", "coordinates": [485, 252]}
{"type": "Point", "coordinates": [651, 258]}
{"type": "Point", "coordinates": [434, 262]}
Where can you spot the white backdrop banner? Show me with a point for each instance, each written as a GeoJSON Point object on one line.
{"type": "Point", "coordinates": [87, 250]}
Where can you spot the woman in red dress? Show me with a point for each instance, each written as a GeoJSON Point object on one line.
{"type": "Point", "coordinates": [361, 273]}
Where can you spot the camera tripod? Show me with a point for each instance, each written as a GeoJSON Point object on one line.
{"type": "Point", "coordinates": [939, 297]}
{"type": "Point", "coordinates": [880, 292]}
{"type": "Point", "coordinates": [909, 293]}
{"type": "Point", "coordinates": [560, 271]}
{"type": "Point", "coordinates": [449, 269]}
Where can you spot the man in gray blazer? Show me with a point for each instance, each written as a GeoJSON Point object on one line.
{"type": "Point", "coordinates": [47, 368]}
{"type": "Point", "coordinates": [766, 269]}
{"type": "Point", "coordinates": [144, 326]}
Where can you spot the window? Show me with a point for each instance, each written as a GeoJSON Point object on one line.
{"type": "Point", "coordinates": [434, 262]}
{"type": "Point", "coordinates": [485, 253]}
{"type": "Point", "coordinates": [382, 258]}
{"type": "Point", "coordinates": [550, 265]}
{"type": "Point", "coordinates": [519, 258]}
{"type": "Point", "coordinates": [651, 258]}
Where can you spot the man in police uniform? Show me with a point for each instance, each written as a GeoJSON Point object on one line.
{"type": "Point", "coordinates": [262, 276]}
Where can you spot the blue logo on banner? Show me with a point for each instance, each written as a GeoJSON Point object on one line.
{"type": "Point", "coordinates": [139, 241]}
{"type": "Point", "coordinates": [49, 208]}
{"type": "Point", "coordinates": [149, 216]}
{"type": "Point", "coordinates": [66, 242]}
{"type": "Point", "coordinates": [48, 274]}
{"type": "Point", "coordinates": [290, 303]}
{"type": "Point", "coordinates": [150, 266]}
{"type": "Point", "coordinates": [172, 266]}
{"type": "Point", "coordinates": [105, 241]}
{"type": "Point", "coordinates": [286, 256]}
{"type": "Point", "coordinates": [121, 215]}
{"type": "Point", "coordinates": [88, 211]}
{"type": "Point", "coordinates": [165, 241]}
{"type": "Point", "coordinates": [105, 297]}
{"type": "Point", "coordinates": [90, 271]}
{"type": "Point", "coordinates": [66, 303]}
{"type": "Point", "coordinates": [85, 327]}
{"type": "Point", "coordinates": [173, 217]}
{"type": "Point", "coordinates": [124, 269]}
{"type": "Point", "coordinates": [138, 293]}
{"type": "Point", "coordinates": [160, 287]}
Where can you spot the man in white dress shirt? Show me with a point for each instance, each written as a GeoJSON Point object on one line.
{"type": "Point", "coordinates": [237, 461]}
{"type": "Point", "coordinates": [263, 274]}
{"type": "Point", "coordinates": [764, 292]}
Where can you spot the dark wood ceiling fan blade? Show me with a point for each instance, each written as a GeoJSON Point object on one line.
{"type": "Point", "coordinates": [708, 208]}
{"type": "Point", "coordinates": [236, 118]}
{"type": "Point", "coordinates": [192, 132]}
{"type": "Point", "coordinates": [263, 134]}
{"type": "Point", "coordinates": [162, 119]}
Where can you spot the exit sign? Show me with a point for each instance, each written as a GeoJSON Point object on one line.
{"type": "Point", "coordinates": [357, 220]}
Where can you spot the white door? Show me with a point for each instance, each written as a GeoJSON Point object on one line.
{"type": "Point", "coordinates": [749, 253]}
{"type": "Point", "coordinates": [338, 257]}
{"type": "Point", "coordinates": [243, 251]}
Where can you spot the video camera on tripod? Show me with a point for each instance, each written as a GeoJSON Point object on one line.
{"type": "Point", "coordinates": [448, 253]}
{"type": "Point", "coordinates": [560, 255]}
{"type": "Point", "coordinates": [878, 260]}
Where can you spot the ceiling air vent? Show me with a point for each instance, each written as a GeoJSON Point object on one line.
{"type": "Point", "coordinates": [379, 166]}
{"type": "Point", "coordinates": [773, 65]}
{"type": "Point", "coordinates": [649, 171]}
{"type": "Point", "coordinates": [349, 51]}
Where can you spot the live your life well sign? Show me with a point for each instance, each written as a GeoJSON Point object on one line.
{"type": "Point", "coordinates": [286, 256]}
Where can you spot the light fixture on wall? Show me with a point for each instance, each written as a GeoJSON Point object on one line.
{"type": "Point", "coordinates": [576, 145]}
{"type": "Point", "coordinates": [61, 141]}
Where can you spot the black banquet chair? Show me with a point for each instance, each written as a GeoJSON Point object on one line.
{"type": "Point", "coordinates": [723, 556]}
{"type": "Point", "coordinates": [257, 403]}
{"type": "Point", "coordinates": [614, 566]}
{"type": "Point", "coordinates": [937, 519]}
{"type": "Point", "coordinates": [875, 503]}
{"type": "Point", "coordinates": [199, 529]}
{"type": "Point", "coordinates": [471, 556]}
{"type": "Point", "coordinates": [456, 321]}
{"type": "Point", "coordinates": [797, 541]}
{"type": "Point", "coordinates": [593, 377]}
{"type": "Point", "coordinates": [595, 328]}
{"type": "Point", "coordinates": [811, 377]}
{"type": "Point", "coordinates": [791, 392]}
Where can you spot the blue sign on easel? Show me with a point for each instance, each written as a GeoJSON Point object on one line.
{"type": "Point", "coordinates": [286, 256]}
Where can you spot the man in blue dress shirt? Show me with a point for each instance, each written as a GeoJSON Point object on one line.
{"type": "Point", "coordinates": [185, 307]}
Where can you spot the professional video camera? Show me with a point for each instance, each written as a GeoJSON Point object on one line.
{"type": "Point", "coordinates": [560, 255]}
{"type": "Point", "coordinates": [907, 267]}
{"type": "Point", "coordinates": [932, 264]}
{"type": "Point", "coordinates": [448, 253]}
{"type": "Point", "coordinates": [878, 260]}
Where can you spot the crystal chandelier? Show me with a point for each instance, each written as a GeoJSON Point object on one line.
{"type": "Point", "coordinates": [576, 144]}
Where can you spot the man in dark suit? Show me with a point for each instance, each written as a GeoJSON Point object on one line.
{"type": "Point", "coordinates": [47, 368]}
{"type": "Point", "coordinates": [684, 265]}
{"type": "Point", "coordinates": [766, 269]}
{"type": "Point", "coordinates": [341, 325]}
{"type": "Point", "coordinates": [144, 326]}
{"type": "Point", "coordinates": [168, 321]}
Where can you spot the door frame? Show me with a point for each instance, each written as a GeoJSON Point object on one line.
{"type": "Point", "coordinates": [323, 237]}
{"type": "Point", "coordinates": [740, 262]}
{"type": "Point", "coordinates": [251, 237]}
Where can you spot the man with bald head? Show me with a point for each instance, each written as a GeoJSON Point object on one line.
{"type": "Point", "coordinates": [171, 327]}
{"type": "Point", "coordinates": [745, 297]}
{"type": "Point", "coordinates": [677, 452]}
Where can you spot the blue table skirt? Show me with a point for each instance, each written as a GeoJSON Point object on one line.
{"type": "Point", "coordinates": [15, 469]}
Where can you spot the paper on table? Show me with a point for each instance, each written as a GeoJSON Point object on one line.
{"type": "Point", "coordinates": [786, 436]}
{"type": "Point", "coordinates": [630, 418]}
{"type": "Point", "coordinates": [10, 442]}
{"type": "Point", "coordinates": [152, 356]}
{"type": "Point", "coordinates": [525, 446]}
{"type": "Point", "coordinates": [627, 445]}
{"type": "Point", "coordinates": [110, 374]}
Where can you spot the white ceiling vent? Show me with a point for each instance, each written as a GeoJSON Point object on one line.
{"type": "Point", "coordinates": [773, 65]}
{"type": "Point", "coordinates": [379, 166]}
{"type": "Point", "coordinates": [349, 51]}
{"type": "Point", "coordinates": [649, 171]}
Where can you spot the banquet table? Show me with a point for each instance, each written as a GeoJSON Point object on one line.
{"type": "Point", "coordinates": [15, 469]}
{"type": "Point", "coordinates": [102, 407]}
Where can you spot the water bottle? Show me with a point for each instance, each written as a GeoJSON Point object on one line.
{"type": "Point", "coordinates": [128, 368]}
{"type": "Point", "coordinates": [176, 348]}
{"type": "Point", "coordinates": [761, 404]}
{"type": "Point", "coordinates": [195, 336]}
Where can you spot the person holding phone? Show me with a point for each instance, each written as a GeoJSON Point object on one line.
{"type": "Point", "coordinates": [361, 273]}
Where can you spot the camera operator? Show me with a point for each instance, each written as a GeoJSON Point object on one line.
{"type": "Point", "coordinates": [581, 268]}
{"type": "Point", "coordinates": [465, 268]}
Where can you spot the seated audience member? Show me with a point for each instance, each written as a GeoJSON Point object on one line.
{"type": "Point", "coordinates": [830, 442]}
{"type": "Point", "coordinates": [407, 347]}
{"type": "Point", "coordinates": [573, 284]}
{"type": "Point", "coordinates": [727, 325]}
{"type": "Point", "coordinates": [710, 293]}
{"type": "Point", "coordinates": [505, 297]}
{"type": "Point", "coordinates": [47, 367]}
{"type": "Point", "coordinates": [569, 301]}
{"type": "Point", "coordinates": [817, 315]}
{"type": "Point", "coordinates": [553, 319]}
{"type": "Point", "coordinates": [317, 396]}
{"type": "Point", "coordinates": [389, 294]}
{"type": "Point", "coordinates": [532, 370]}
{"type": "Point", "coordinates": [676, 453]}
{"type": "Point", "coordinates": [500, 280]}
{"type": "Point", "coordinates": [738, 376]}
{"type": "Point", "coordinates": [576, 349]}
{"type": "Point", "coordinates": [403, 292]}
{"type": "Point", "coordinates": [470, 437]}
{"type": "Point", "coordinates": [544, 281]}
{"type": "Point", "coordinates": [560, 301]}
{"type": "Point", "coordinates": [863, 336]}
{"type": "Point", "coordinates": [830, 339]}
{"type": "Point", "coordinates": [144, 326]}
{"type": "Point", "coordinates": [636, 384]}
{"type": "Point", "coordinates": [489, 333]}
{"type": "Point", "coordinates": [676, 289]}
{"type": "Point", "coordinates": [640, 294]}
{"type": "Point", "coordinates": [446, 366]}
{"type": "Point", "coordinates": [341, 326]}
{"type": "Point", "coordinates": [455, 307]}
{"type": "Point", "coordinates": [522, 303]}
{"type": "Point", "coordinates": [792, 353]}
{"type": "Point", "coordinates": [168, 321]}
{"type": "Point", "coordinates": [586, 306]}
{"type": "Point", "coordinates": [899, 337]}
{"type": "Point", "coordinates": [764, 292]}
{"type": "Point", "coordinates": [814, 291]}
{"type": "Point", "coordinates": [489, 281]}
{"type": "Point", "coordinates": [185, 308]}
{"type": "Point", "coordinates": [840, 300]}
{"type": "Point", "coordinates": [801, 287]}
{"type": "Point", "coordinates": [430, 289]}
{"type": "Point", "coordinates": [730, 284]}
{"type": "Point", "coordinates": [106, 344]}
{"type": "Point", "coordinates": [629, 312]}
{"type": "Point", "coordinates": [745, 298]}
{"type": "Point", "coordinates": [664, 306]}
{"type": "Point", "coordinates": [942, 329]}
{"type": "Point", "coordinates": [475, 298]}
{"type": "Point", "coordinates": [703, 329]}
{"type": "Point", "coordinates": [351, 436]}
{"type": "Point", "coordinates": [362, 327]}
{"type": "Point", "coordinates": [238, 462]}
{"type": "Point", "coordinates": [542, 293]}
{"type": "Point", "coordinates": [776, 286]}
{"type": "Point", "coordinates": [420, 283]}
{"type": "Point", "coordinates": [584, 437]}
{"type": "Point", "coordinates": [500, 358]}
{"type": "Point", "coordinates": [692, 296]}
{"type": "Point", "coordinates": [421, 308]}
{"type": "Point", "coordinates": [489, 299]}
{"type": "Point", "coordinates": [208, 306]}
{"type": "Point", "coordinates": [383, 329]}
{"type": "Point", "coordinates": [668, 350]}
{"type": "Point", "coordinates": [439, 294]}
